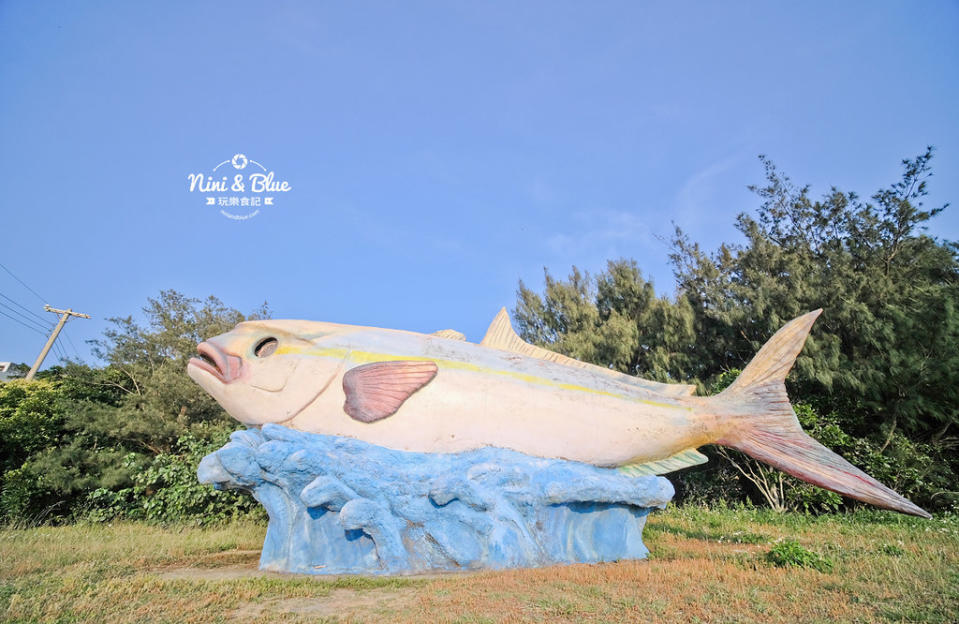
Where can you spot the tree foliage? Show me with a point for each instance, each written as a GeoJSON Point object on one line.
{"type": "Point", "coordinates": [886, 352]}
{"type": "Point", "coordinates": [882, 361]}
{"type": "Point", "coordinates": [877, 380]}
{"type": "Point", "coordinates": [122, 437]}
{"type": "Point", "coordinates": [613, 319]}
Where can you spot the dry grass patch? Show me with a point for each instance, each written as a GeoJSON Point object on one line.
{"type": "Point", "coordinates": [706, 566]}
{"type": "Point", "coordinates": [27, 551]}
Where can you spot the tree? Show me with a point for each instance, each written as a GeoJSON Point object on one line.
{"type": "Point", "coordinates": [613, 320]}
{"type": "Point", "coordinates": [882, 361]}
{"type": "Point", "coordinates": [886, 351]}
{"type": "Point", "coordinates": [31, 419]}
{"type": "Point", "coordinates": [147, 364]}
{"type": "Point", "coordinates": [17, 371]}
{"type": "Point", "coordinates": [80, 429]}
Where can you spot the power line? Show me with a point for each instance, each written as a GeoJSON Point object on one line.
{"type": "Point", "coordinates": [76, 351]}
{"type": "Point", "coordinates": [32, 324]}
{"type": "Point", "coordinates": [19, 305]}
{"type": "Point", "coordinates": [25, 317]}
{"type": "Point", "coordinates": [58, 351]}
{"type": "Point", "coordinates": [63, 352]}
{"type": "Point", "coordinates": [68, 347]}
{"type": "Point", "coordinates": [43, 300]}
{"type": "Point", "coordinates": [30, 327]}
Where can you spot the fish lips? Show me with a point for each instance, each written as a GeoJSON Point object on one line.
{"type": "Point", "coordinates": [224, 367]}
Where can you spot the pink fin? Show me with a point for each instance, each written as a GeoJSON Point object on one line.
{"type": "Point", "coordinates": [375, 391]}
{"type": "Point", "coordinates": [769, 431]}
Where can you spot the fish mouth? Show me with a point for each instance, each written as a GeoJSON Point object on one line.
{"type": "Point", "coordinates": [210, 358]}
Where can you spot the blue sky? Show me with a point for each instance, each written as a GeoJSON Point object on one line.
{"type": "Point", "coordinates": [437, 152]}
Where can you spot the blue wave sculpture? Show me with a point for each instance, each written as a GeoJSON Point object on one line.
{"type": "Point", "coordinates": [343, 506]}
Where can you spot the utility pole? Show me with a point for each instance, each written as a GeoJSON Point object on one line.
{"type": "Point", "coordinates": [64, 315]}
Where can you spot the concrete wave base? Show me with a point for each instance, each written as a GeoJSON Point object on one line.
{"type": "Point", "coordinates": [342, 506]}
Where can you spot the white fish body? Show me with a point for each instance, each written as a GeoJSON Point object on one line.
{"type": "Point", "coordinates": [441, 394]}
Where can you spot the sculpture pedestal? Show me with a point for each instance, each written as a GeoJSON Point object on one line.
{"type": "Point", "coordinates": [342, 506]}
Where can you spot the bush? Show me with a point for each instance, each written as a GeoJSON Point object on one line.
{"type": "Point", "coordinates": [710, 484]}
{"type": "Point", "coordinates": [122, 440]}
{"type": "Point", "coordinates": [166, 489]}
{"type": "Point", "coordinates": [790, 553]}
{"type": "Point", "coordinates": [31, 419]}
{"type": "Point", "coordinates": [26, 500]}
{"type": "Point", "coordinates": [918, 471]}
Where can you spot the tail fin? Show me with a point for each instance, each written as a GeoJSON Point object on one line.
{"type": "Point", "coordinates": [769, 431]}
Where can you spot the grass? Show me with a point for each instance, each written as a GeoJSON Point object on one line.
{"type": "Point", "coordinates": [791, 553]}
{"type": "Point", "coordinates": [705, 566]}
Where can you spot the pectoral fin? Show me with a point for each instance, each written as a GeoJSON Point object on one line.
{"type": "Point", "coordinates": [375, 391]}
{"type": "Point", "coordinates": [682, 459]}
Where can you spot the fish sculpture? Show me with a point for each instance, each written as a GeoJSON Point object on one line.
{"type": "Point", "coordinates": [438, 393]}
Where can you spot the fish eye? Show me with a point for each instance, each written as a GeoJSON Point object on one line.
{"type": "Point", "coordinates": [265, 347]}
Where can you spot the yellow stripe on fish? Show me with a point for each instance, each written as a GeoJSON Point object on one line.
{"type": "Point", "coordinates": [367, 357]}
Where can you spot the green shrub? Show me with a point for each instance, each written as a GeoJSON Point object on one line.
{"type": "Point", "coordinates": [919, 471]}
{"type": "Point", "coordinates": [166, 489]}
{"type": "Point", "coordinates": [790, 553]}
{"type": "Point", "coordinates": [26, 500]}
{"type": "Point", "coordinates": [31, 419]}
{"type": "Point", "coordinates": [708, 485]}
{"type": "Point", "coordinates": [892, 550]}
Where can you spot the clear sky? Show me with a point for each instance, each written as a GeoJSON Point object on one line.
{"type": "Point", "coordinates": [437, 151]}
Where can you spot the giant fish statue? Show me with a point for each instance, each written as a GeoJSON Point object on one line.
{"type": "Point", "coordinates": [438, 393]}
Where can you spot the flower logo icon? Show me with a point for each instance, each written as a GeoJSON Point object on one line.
{"type": "Point", "coordinates": [239, 161]}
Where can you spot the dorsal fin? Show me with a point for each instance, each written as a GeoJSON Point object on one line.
{"type": "Point", "coordinates": [682, 459]}
{"type": "Point", "coordinates": [450, 334]}
{"type": "Point", "coordinates": [501, 335]}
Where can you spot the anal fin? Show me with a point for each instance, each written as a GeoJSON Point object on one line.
{"type": "Point", "coordinates": [682, 459]}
